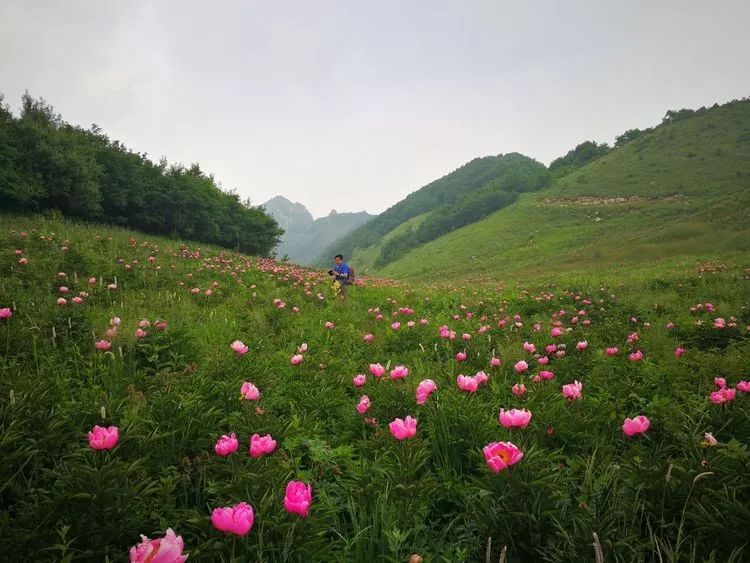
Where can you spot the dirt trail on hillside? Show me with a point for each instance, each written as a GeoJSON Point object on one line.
{"type": "Point", "coordinates": [612, 200]}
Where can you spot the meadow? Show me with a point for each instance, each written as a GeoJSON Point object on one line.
{"type": "Point", "coordinates": [630, 391]}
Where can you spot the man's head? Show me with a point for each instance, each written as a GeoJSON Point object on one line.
{"type": "Point", "coordinates": [339, 258]}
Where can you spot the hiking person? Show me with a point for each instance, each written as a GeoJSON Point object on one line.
{"type": "Point", "coordinates": [343, 276]}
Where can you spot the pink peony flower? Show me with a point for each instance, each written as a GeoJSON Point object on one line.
{"type": "Point", "coordinates": [461, 356]}
{"type": "Point", "coordinates": [636, 356]}
{"type": "Point", "coordinates": [227, 445]}
{"type": "Point", "coordinates": [298, 498]}
{"type": "Point", "coordinates": [719, 323]}
{"type": "Point", "coordinates": [103, 345]}
{"type": "Point", "coordinates": [239, 347]}
{"type": "Point", "coordinates": [720, 382]}
{"type": "Point", "coordinates": [722, 396]}
{"type": "Point", "coordinates": [679, 351]}
{"type": "Point", "coordinates": [743, 386]}
{"type": "Point", "coordinates": [261, 445]}
{"type": "Point", "coordinates": [62, 301]}
{"type": "Point", "coordinates": [329, 325]}
{"type": "Point", "coordinates": [161, 550]}
{"type": "Point", "coordinates": [467, 383]}
{"type": "Point", "coordinates": [377, 370]}
{"type": "Point", "coordinates": [546, 375]}
{"type": "Point", "coordinates": [359, 380]}
{"type": "Point", "coordinates": [363, 405]}
{"type": "Point", "coordinates": [249, 391]}
{"type": "Point", "coordinates": [528, 347]}
{"type": "Point", "coordinates": [582, 345]}
{"type": "Point", "coordinates": [514, 418]}
{"type": "Point", "coordinates": [521, 366]}
{"type": "Point", "coordinates": [302, 348]}
{"type": "Point", "coordinates": [368, 337]}
{"type": "Point", "coordinates": [572, 391]}
{"type": "Point", "coordinates": [542, 360]}
{"type": "Point", "coordinates": [396, 326]}
{"type": "Point", "coordinates": [140, 333]}
{"type": "Point", "coordinates": [297, 359]}
{"type": "Point", "coordinates": [709, 440]}
{"type": "Point", "coordinates": [424, 389]}
{"type": "Point", "coordinates": [612, 351]}
{"type": "Point", "coordinates": [101, 438]}
{"type": "Point", "coordinates": [399, 372]}
{"type": "Point", "coordinates": [519, 390]}
{"type": "Point", "coordinates": [637, 425]}
{"type": "Point", "coordinates": [481, 377]}
{"type": "Point", "coordinates": [6, 313]}
{"type": "Point", "coordinates": [401, 429]}
{"type": "Point", "coordinates": [501, 455]}
{"type": "Point", "coordinates": [237, 519]}
{"type": "Point", "coordinates": [494, 362]}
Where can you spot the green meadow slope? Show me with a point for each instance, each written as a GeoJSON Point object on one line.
{"type": "Point", "coordinates": [679, 192]}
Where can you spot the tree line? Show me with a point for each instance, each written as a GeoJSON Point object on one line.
{"type": "Point", "coordinates": [48, 164]}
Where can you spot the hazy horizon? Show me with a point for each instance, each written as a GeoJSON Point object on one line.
{"type": "Point", "coordinates": [353, 106]}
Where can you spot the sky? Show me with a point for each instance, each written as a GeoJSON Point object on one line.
{"type": "Point", "coordinates": [351, 104]}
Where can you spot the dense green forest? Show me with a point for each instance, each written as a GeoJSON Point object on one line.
{"type": "Point", "coordinates": [457, 199]}
{"type": "Point", "coordinates": [48, 164]}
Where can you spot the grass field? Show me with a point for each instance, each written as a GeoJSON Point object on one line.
{"type": "Point", "coordinates": [677, 194]}
{"type": "Point", "coordinates": [667, 494]}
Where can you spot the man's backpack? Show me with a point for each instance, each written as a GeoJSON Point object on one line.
{"type": "Point", "coordinates": [350, 276]}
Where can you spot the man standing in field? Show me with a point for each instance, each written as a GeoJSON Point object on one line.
{"type": "Point", "coordinates": [342, 274]}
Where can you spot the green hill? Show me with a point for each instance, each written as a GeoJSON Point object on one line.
{"type": "Point", "coordinates": [678, 191]}
{"type": "Point", "coordinates": [457, 199]}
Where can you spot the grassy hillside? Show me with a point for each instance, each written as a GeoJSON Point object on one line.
{"type": "Point", "coordinates": [678, 192]}
{"type": "Point", "coordinates": [459, 198]}
{"type": "Point", "coordinates": [112, 328]}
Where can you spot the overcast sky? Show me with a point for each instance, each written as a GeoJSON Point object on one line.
{"type": "Point", "coordinates": [354, 104]}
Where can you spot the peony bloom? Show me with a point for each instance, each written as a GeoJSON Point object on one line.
{"type": "Point", "coordinates": [103, 345]}
{"type": "Point", "coordinates": [297, 359]}
{"type": "Point", "coordinates": [249, 391]}
{"type": "Point", "coordinates": [679, 351]}
{"type": "Point", "coordinates": [363, 405]}
{"type": "Point", "coordinates": [359, 380]}
{"type": "Point", "coordinates": [637, 425]}
{"type": "Point", "coordinates": [467, 383]}
{"type": "Point", "coordinates": [528, 347]}
{"type": "Point", "coordinates": [377, 370]}
{"type": "Point", "coordinates": [572, 391]}
{"type": "Point", "coordinates": [743, 386]}
{"type": "Point", "coordinates": [719, 323]}
{"type": "Point", "coordinates": [514, 418]}
{"type": "Point", "coordinates": [62, 301]}
{"type": "Point", "coordinates": [329, 325]}
{"type": "Point", "coordinates": [239, 347]}
{"type": "Point", "coordinates": [101, 438]}
{"type": "Point", "coordinates": [302, 348]}
{"type": "Point", "coordinates": [161, 550]}
{"type": "Point", "coordinates": [368, 337]}
{"type": "Point", "coordinates": [501, 455]}
{"type": "Point", "coordinates": [582, 345]}
{"type": "Point", "coordinates": [399, 372]}
{"type": "Point", "coordinates": [722, 396]}
{"type": "Point", "coordinates": [556, 331]}
{"type": "Point", "coordinates": [261, 445]}
{"type": "Point", "coordinates": [461, 356]}
{"type": "Point", "coordinates": [237, 519]}
{"type": "Point", "coordinates": [521, 366]}
{"type": "Point", "coordinates": [720, 382]}
{"type": "Point", "coordinates": [612, 351]}
{"type": "Point", "coordinates": [519, 390]}
{"type": "Point", "coordinates": [6, 313]}
{"type": "Point", "coordinates": [546, 375]}
{"type": "Point", "coordinates": [424, 389]}
{"type": "Point", "coordinates": [481, 377]}
{"type": "Point", "coordinates": [401, 429]}
{"type": "Point", "coordinates": [227, 445]}
{"type": "Point", "coordinates": [140, 333]}
{"type": "Point", "coordinates": [396, 326]}
{"type": "Point", "coordinates": [542, 360]}
{"type": "Point", "coordinates": [298, 498]}
{"type": "Point", "coordinates": [709, 440]}
{"type": "Point", "coordinates": [494, 362]}
{"type": "Point", "coordinates": [636, 356]}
